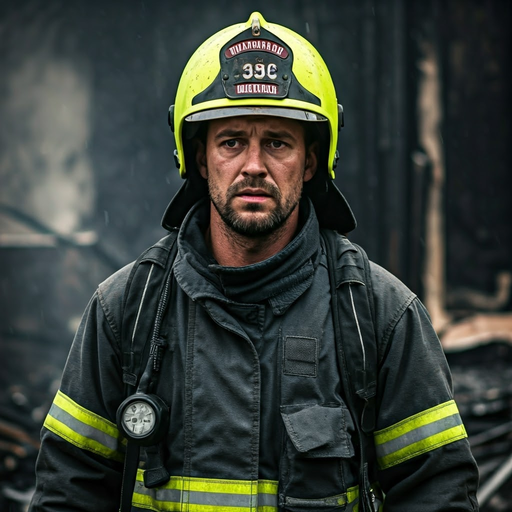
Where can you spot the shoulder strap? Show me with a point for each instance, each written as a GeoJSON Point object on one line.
{"type": "Point", "coordinates": [356, 345]}
{"type": "Point", "coordinates": [140, 308]}
{"type": "Point", "coordinates": [140, 304]}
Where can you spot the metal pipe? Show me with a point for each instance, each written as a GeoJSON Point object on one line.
{"type": "Point", "coordinates": [495, 482]}
{"type": "Point", "coordinates": [491, 434]}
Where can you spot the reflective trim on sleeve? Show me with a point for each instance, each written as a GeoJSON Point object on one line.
{"type": "Point", "coordinates": [418, 434]}
{"type": "Point", "coordinates": [84, 428]}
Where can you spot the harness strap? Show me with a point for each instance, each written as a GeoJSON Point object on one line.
{"type": "Point", "coordinates": [144, 290]}
{"type": "Point", "coordinates": [131, 464]}
{"type": "Point", "coordinates": [142, 294]}
{"type": "Point", "coordinates": [356, 346]}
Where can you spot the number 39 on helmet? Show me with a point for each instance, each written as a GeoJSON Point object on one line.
{"type": "Point", "coordinates": [259, 68]}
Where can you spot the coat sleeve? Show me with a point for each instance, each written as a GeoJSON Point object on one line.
{"type": "Point", "coordinates": [80, 463]}
{"type": "Point", "coordinates": [423, 454]}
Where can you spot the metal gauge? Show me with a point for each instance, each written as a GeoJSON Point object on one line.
{"type": "Point", "coordinates": [139, 418]}
{"type": "Point", "coordinates": [143, 418]}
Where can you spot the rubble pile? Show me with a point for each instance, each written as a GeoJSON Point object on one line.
{"type": "Point", "coordinates": [19, 445]}
{"type": "Point", "coordinates": [482, 379]}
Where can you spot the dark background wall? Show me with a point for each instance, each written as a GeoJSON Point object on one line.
{"type": "Point", "coordinates": [86, 165]}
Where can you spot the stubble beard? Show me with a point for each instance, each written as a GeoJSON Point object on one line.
{"type": "Point", "coordinates": [254, 226]}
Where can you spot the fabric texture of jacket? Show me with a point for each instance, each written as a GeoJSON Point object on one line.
{"type": "Point", "coordinates": [258, 420]}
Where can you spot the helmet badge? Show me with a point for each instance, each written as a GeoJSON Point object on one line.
{"type": "Point", "coordinates": [256, 66]}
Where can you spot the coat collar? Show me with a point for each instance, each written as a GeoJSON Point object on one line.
{"type": "Point", "coordinates": [280, 280]}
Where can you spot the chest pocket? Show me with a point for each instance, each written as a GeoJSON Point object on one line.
{"type": "Point", "coordinates": [319, 431]}
{"type": "Point", "coordinates": [318, 452]}
{"type": "Point", "coordinates": [317, 448]}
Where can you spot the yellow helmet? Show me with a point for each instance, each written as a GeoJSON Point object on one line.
{"type": "Point", "coordinates": [257, 68]}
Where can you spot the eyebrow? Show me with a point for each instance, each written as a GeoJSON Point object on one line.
{"type": "Point", "coordinates": [229, 132]}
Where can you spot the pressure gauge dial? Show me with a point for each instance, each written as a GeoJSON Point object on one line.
{"type": "Point", "coordinates": [139, 419]}
{"type": "Point", "coordinates": [143, 418]}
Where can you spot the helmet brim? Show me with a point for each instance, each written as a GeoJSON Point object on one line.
{"type": "Point", "coordinates": [289, 113]}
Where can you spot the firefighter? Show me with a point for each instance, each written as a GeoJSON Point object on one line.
{"type": "Point", "coordinates": [210, 374]}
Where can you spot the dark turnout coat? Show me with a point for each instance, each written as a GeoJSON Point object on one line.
{"type": "Point", "coordinates": [258, 420]}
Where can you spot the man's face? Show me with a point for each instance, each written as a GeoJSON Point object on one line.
{"type": "Point", "coordinates": [256, 167]}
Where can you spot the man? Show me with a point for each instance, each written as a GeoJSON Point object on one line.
{"type": "Point", "coordinates": [240, 403]}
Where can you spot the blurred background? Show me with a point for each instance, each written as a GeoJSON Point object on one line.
{"type": "Point", "coordinates": [86, 171]}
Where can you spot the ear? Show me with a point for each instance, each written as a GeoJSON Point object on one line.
{"type": "Point", "coordinates": [311, 161]}
{"type": "Point", "coordinates": [201, 159]}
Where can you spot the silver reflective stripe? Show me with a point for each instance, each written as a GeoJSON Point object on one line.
{"type": "Point", "coordinates": [418, 434]}
{"type": "Point", "coordinates": [267, 500]}
{"type": "Point", "coordinates": [198, 494]}
{"type": "Point", "coordinates": [84, 430]}
{"type": "Point", "coordinates": [193, 494]}
{"type": "Point", "coordinates": [220, 499]}
{"type": "Point", "coordinates": [169, 495]}
{"type": "Point", "coordinates": [217, 499]}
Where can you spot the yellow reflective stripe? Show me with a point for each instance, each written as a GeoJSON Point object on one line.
{"type": "Point", "coordinates": [418, 434]}
{"type": "Point", "coordinates": [83, 428]}
{"type": "Point", "coordinates": [353, 499]}
{"type": "Point", "coordinates": [214, 495]}
{"type": "Point", "coordinates": [207, 495]}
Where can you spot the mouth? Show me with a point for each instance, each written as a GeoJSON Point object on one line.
{"type": "Point", "coordinates": [254, 195]}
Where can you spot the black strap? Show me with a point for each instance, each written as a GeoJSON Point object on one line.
{"type": "Point", "coordinates": [131, 463]}
{"type": "Point", "coordinates": [140, 305]}
{"type": "Point", "coordinates": [356, 345]}
{"type": "Point", "coordinates": [143, 293]}
{"type": "Point", "coordinates": [156, 473]}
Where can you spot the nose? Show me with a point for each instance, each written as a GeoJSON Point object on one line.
{"type": "Point", "coordinates": [254, 164]}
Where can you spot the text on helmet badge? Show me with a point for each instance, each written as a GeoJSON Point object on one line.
{"type": "Point", "coordinates": [256, 68]}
